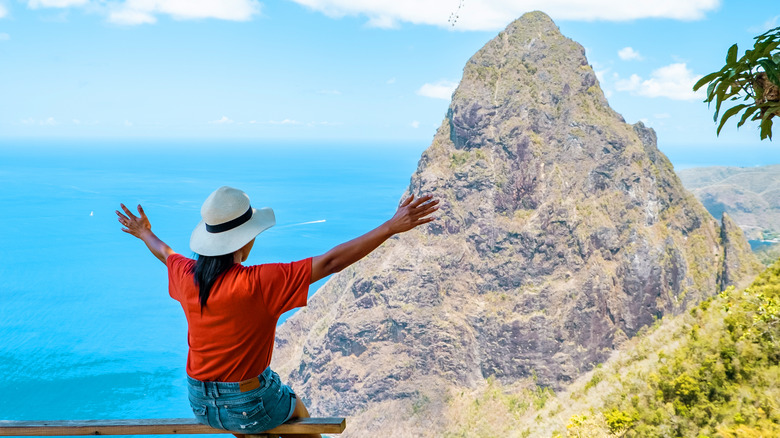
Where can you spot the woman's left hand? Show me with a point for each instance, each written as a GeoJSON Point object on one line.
{"type": "Point", "coordinates": [135, 225]}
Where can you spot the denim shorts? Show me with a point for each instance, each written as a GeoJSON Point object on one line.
{"type": "Point", "coordinates": [222, 405]}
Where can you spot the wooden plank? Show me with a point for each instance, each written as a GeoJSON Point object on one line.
{"type": "Point", "coordinates": [311, 425]}
{"type": "Point", "coordinates": [157, 426]}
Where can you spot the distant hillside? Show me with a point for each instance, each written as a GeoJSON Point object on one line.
{"type": "Point", "coordinates": [750, 195]}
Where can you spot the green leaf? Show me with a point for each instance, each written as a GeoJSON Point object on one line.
{"type": "Point", "coordinates": [731, 56]}
{"type": "Point", "coordinates": [760, 50]}
{"type": "Point", "coordinates": [720, 93]}
{"type": "Point", "coordinates": [771, 47]}
{"type": "Point", "coordinates": [705, 80]}
{"type": "Point", "coordinates": [710, 91]}
{"type": "Point", "coordinates": [750, 56]}
{"type": "Point", "coordinates": [727, 115]}
{"type": "Point", "coordinates": [733, 90]}
{"type": "Point", "coordinates": [773, 76]}
{"type": "Point", "coordinates": [771, 70]}
{"type": "Point", "coordinates": [776, 58]}
{"type": "Point", "coordinates": [766, 129]}
{"type": "Point", "coordinates": [770, 110]}
{"type": "Point", "coordinates": [747, 114]}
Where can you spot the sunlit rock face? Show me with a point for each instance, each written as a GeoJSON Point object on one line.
{"type": "Point", "coordinates": [563, 230]}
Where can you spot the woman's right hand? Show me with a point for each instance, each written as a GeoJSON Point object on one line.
{"type": "Point", "coordinates": [140, 227]}
{"type": "Point", "coordinates": [412, 213]}
{"type": "Point", "coordinates": [135, 225]}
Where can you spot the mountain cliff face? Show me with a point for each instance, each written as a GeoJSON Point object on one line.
{"type": "Point", "coordinates": [562, 232]}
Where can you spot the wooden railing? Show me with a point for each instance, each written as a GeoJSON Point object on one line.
{"type": "Point", "coordinates": [159, 426]}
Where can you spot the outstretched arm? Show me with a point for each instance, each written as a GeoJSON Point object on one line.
{"type": "Point", "coordinates": [140, 227]}
{"type": "Point", "coordinates": [410, 214]}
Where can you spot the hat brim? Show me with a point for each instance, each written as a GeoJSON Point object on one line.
{"type": "Point", "coordinates": [227, 242]}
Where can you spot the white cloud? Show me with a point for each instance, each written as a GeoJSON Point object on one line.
{"type": "Point", "coordinates": [223, 121]}
{"type": "Point", "coordinates": [293, 122]}
{"type": "Point", "coordinates": [324, 123]}
{"type": "Point", "coordinates": [390, 81]}
{"type": "Point", "coordinates": [330, 92]}
{"type": "Point", "coordinates": [133, 12]}
{"type": "Point", "coordinates": [128, 123]}
{"type": "Point", "coordinates": [76, 121]}
{"type": "Point", "coordinates": [129, 17]}
{"type": "Point", "coordinates": [35, 4]}
{"type": "Point", "coordinates": [49, 122]}
{"type": "Point", "coordinates": [438, 90]}
{"type": "Point", "coordinates": [383, 22]}
{"type": "Point", "coordinates": [415, 124]}
{"type": "Point", "coordinates": [143, 11]}
{"type": "Point", "coordinates": [4, 37]}
{"type": "Point", "coordinates": [674, 81]}
{"type": "Point", "coordinates": [284, 122]}
{"type": "Point", "coordinates": [601, 75]}
{"type": "Point", "coordinates": [496, 14]}
{"type": "Point", "coordinates": [630, 84]}
{"type": "Point", "coordinates": [3, 11]}
{"type": "Point", "coordinates": [629, 54]}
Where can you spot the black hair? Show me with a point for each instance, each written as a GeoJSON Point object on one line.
{"type": "Point", "coordinates": [207, 271]}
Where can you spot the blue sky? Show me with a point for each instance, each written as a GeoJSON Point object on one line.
{"type": "Point", "coordinates": [336, 70]}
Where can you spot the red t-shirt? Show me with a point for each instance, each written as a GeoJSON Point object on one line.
{"type": "Point", "coordinates": [233, 337]}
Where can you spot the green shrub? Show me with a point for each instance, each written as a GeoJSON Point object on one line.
{"type": "Point", "coordinates": [618, 421]}
{"type": "Point", "coordinates": [721, 380]}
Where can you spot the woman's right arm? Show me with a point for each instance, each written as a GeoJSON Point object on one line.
{"type": "Point", "coordinates": [411, 213]}
{"type": "Point", "coordinates": [140, 227]}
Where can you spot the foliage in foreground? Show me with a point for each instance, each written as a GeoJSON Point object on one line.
{"type": "Point", "coordinates": [754, 79]}
{"type": "Point", "coordinates": [721, 381]}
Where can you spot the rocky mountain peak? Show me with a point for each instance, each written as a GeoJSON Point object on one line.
{"type": "Point", "coordinates": [562, 232]}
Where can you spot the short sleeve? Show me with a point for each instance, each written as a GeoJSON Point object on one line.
{"type": "Point", "coordinates": [285, 286]}
{"type": "Point", "coordinates": [179, 268]}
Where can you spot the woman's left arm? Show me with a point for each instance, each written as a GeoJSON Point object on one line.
{"type": "Point", "coordinates": [140, 227]}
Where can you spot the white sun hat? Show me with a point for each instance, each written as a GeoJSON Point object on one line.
{"type": "Point", "coordinates": [229, 222]}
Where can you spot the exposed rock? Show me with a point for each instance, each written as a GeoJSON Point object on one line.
{"type": "Point", "coordinates": [562, 231]}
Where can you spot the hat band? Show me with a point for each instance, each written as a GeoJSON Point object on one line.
{"type": "Point", "coordinates": [229, 225]}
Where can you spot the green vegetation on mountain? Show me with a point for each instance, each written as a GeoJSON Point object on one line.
{"type": "Point", "coordinates": [717, 375]}
{"type": "Point", "coordinates": [712, 372]}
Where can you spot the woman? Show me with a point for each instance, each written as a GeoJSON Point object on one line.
{"type": "Point", "coordinates": [232, 310]}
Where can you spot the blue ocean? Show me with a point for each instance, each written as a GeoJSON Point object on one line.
{"type": "Point", "coordinates": [87, 329]}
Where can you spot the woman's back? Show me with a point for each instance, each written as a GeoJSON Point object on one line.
{"type": "Point", "coordinates": [231, 338]}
